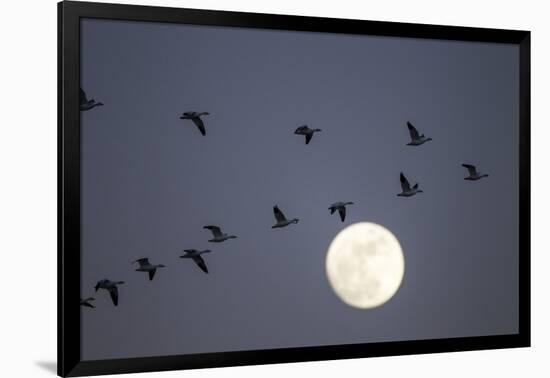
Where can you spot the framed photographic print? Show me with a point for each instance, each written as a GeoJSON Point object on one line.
{"type": "Point", "coordinates": [240, 188]}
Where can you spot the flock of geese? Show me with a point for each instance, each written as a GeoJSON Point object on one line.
{"type": "Point", "coordinates": [281, 220]}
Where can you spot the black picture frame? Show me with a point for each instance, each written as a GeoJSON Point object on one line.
{"type": "Point", "coordinates": [69, 15]}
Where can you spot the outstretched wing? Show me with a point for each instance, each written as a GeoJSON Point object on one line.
{"type": "Point", "coordinates": [86, 303]}
{"type": "Point", "coordinates": [83, 98]}
{"type": "Point", "coordinates": [471, 169]}
{"type": "Point", "coordinates": [279, 216]}
{"type": "Point", "coordinates": [201, 264]}
{"type": "Point", "coordinates": [332, 209]}
{"type": "Point", "coordinates": [412, 131]}
{"type": "Point", "coordinates": [143, 261]}
{"type": "Point", "coordinates": [200, 125]}
{"type": "Point", "coordinates": [405, 186]}
{"type": "Point", "coordinates": [216, 231]}
{"type": "Point", "coordinates": [113, 291]}
{"type": "Point", "coordinates": [152, 274]}
{"type": "Point", "coordinates": [342, 212]}
{"type": "Point", "coordinates": [308, 137]}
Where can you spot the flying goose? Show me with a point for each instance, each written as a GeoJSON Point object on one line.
{"type": "Point", "coordinates": [341, 207]}
{"type": "Point", "coordinates": [304, 130]}
{"type": "Point", "coordinates": [86, 302]}
{"type": "Point", "coordinates": [111, 287]}
{"type": "Point", "coordinates": [196, 118]}
{"type": "Point", "coordinates": [219, 236]}
{"type": "Point", "coordinates": [86, 104]}
{"type": "Point", "coordinates": [197, 258]}
{"type": "Point", "coordinates": [146, 266]}
{"type": "Point", "coordinates": [281, 219]}
{"type": "Point", "coordinates": [474, 174]}
{"type": "Point", "coordinates": [406, 187]}
{"type": "Point", "coordinates": [416, 138]}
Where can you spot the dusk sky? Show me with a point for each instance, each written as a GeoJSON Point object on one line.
{"type": "Point", "coordinates": [151, 181]}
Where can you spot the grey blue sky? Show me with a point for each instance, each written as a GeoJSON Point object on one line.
{"type": "Point", "coordinates": [150, 182]}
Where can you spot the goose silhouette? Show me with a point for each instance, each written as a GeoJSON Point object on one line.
{"type": "Point", "coordinates": [341, 207]}
{"type": "Point", "coordinates": [281, 219]}
{"type": "Point", "coordinates": [86, 302]}
{"type": "Point", "coordinates": [474, 175]}
{"type": "Point", "coordinates": [196, 118]}
{"type": "Point", "coordinates": [407, 191]}
{"type": "Point", "coordinates": [111, 287]}
{"type": "Point", "coordinates": [146, 266]}
{"type": "Point", "coordinates": [305, 130]}
{"type": "Point", "coordinates": [195, 255]}
{"type": "Point", "coordinates": [86, 104]}
{"type": "Point", "coordinates": [416, 138]}
{"type": "Point", "coordinates": [219, 236]}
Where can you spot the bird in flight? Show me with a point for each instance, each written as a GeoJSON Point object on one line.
{"type": "Point", "coordinates": [341, 207]}
{"type": "Point", "coordinates": [416, 138]}
{"type": "Point", "coordinates": [407, 191]}
{"type": "Point", "coordinates": [111, 287]}
{"type": "Point", "coordinates": [474, 175]}
{"type": "Point", "coordinates": [86, 302]}
{"type": "Point", "coordinates": [281, 219]}
{"type": "Point", "coordinates": [219, 236]}
{"type": "Point", "coordinates": [304, 130]}
{"type": "Point", "coordinates": [146, 266]}
{"type": "Point", "coordinates": [196, 118]}
{"type": "Point", "coordinates": [195, 255]}
{"type": "Point", "coordinates": [86, 104]}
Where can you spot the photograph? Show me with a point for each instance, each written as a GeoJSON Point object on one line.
{"type": "Point", "coordinates": [290, 189]}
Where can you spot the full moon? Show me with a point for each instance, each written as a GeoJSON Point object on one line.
{"type": "Point", "coordinates": [365, 265]}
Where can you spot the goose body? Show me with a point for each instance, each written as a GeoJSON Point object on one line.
{"type": "Point", "coordinates": [282, 221]}
{"type": "Point", "coordinates": [86, 104]}
{"type": "Point", "coordinates": [196, 118]}
{"type": "Point", "coordinates": [219, 236]}
{"type": "Point", "coordinates": [195, 255]}
{"type": "Point", "coordinates": [86, 302]}
{"type": "Point", "coordinates": [341, 208]}
{"type": "Point", "coordinates": [417, 139]}
{"type": "Point", "coordinates": [407, 191]}
{"type": "Point", "coordinates": [111, 287]}
{"type": "Point", "coordinates": [146, 266]}
{"type": "Point", "coordinates": [474, 175]}
{"type": "Point", "coordinates": [307, 132]}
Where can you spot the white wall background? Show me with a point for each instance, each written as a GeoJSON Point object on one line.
{"type": "Point", "coordinates": [28, 186]}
